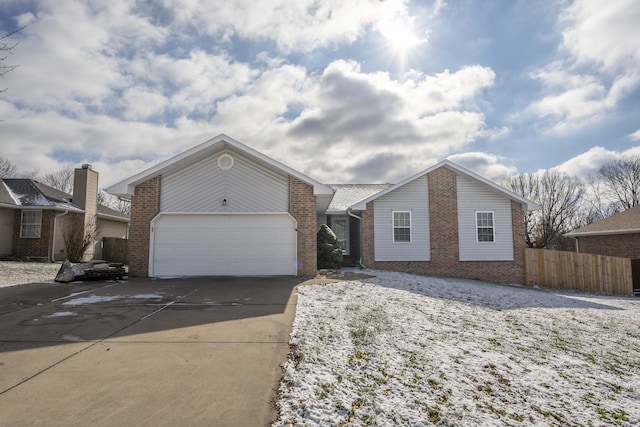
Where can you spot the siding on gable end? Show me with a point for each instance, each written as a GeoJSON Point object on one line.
{"type": "Point", "coordinates": [248, 187]}
{"type": "Point", "coordinates": [474, 197]}
{"type": "Point", "coordinates": [413, 197]}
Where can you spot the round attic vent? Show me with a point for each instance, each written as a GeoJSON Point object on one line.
{"type": "Point", "coordinates": [225, 162]}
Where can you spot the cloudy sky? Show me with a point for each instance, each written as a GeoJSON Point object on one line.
{"type": "Point", "coordinates": [344, 91]}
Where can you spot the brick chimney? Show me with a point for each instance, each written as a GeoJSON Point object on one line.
{"type": "Point", "coordinates": [85, 196]}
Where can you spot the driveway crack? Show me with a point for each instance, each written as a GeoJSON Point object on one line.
{"type": "Point", "coordinates": [94, 343]}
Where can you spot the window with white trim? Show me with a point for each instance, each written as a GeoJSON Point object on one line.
{"type": "Point", "coordinates": [401, 226]}
{"type": "Point", "coordinates": [31, 224]}
{"type": "Point", "coordinates": [485, 226]}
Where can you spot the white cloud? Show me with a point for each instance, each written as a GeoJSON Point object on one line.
{"type": "Point", "coordinates": [588, 163]}
{"type": "Point", "coordinates": [368, 119]}
{"type": "Point", "coordinates": [601, 67]}
{"type": "Point", "coordinates": [635, 136]}
{"type": "Point", "coordinates": [70, 54]}
{"type": "Point", "coordinates": [488, 165]}
{"type": "Point", "coordinates": [114, 87]}
{"type": "Point", "coordinates": [294, 26]}
{"type": "Point", "coordinates": [143, 103]}
{"type": "Point", "coordinates": [604, 33]}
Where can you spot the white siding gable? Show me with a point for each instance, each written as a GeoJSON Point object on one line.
{"type": "Point", "coordinates": [412, 197]}
{"type": "Point", "coordinates": [473, 197]}
{"type": "Point", "coordinates": [248, 186]}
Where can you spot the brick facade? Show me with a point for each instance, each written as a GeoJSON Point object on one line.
{"type": "Point", "coordinates": [302, 206]}
{"type": "Point", "coordinates": [443, 212]}
{"type": "Point", "coordinates": [37, 248]}
{"type": "Point", "coordinates": [145, 205]}
{"type": "Point", "coordinates": [620, 245]}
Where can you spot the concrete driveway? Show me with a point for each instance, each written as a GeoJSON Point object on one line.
{"type": "Point", "coordinates": [198, 351]}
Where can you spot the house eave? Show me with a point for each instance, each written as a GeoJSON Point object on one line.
{"type": "Point", "coordinates": [603, 233]}
{"type": "Point", "coordinates": [529, 205]}
{"type": "Point", "coordinates": [125, 188]}
{"type": "Point", "coordinates": [113, 218]}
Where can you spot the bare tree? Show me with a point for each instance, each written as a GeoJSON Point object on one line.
{"type": "Point", "coordinates": [113, 202]}
{"type": "Point", "coordinates": [621, 179]}
{"type": "Point", "coordinates": [560, 197]}
{"type": "Point", "coordinates": [7, 45]}
{"type": "Point", "coordinates": [61, 180]}
{"type": "Point", "coordinates": [7, 169]}
{"type": "Point", "coordinates": [597, 205]}
{"type": "Point", "coordinates": [78, 235]}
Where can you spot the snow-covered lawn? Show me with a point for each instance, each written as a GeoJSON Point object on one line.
{"type": "Point", "coordinates": [18, 273]}
{"type": "Point", "coordinates": [401, 349]}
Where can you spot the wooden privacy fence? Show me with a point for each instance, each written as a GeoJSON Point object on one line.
{"type": "Point", "coordinates": [580, 272]}
{"type": "Point", "coordinates": [115, 249]}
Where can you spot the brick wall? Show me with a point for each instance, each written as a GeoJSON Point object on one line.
{"type": "Point", "coordinates": [620, 245]}
{"type": "Point", "coordinates": [145, 205]}
{"type": "Point", "coordinates": [34, 248]}
{"type": "Point", "coordinates": [443, 211]}
{"type": "Point", "coordinates": [302, 206]}
{"type": "Point", "coordinates": [368, 237]}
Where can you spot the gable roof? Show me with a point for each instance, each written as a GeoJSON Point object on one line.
{"type": "Point", "coordinates": [125, 188]}
{"type": "Point", "coordinates": [527, 204]}
{"type": "Point", "coordinates": [348, 194]}
{"type": "Point", "coordinates": [625, 222]}
{"type": "Point", "coordinates": [106, 212]}
{"type": "Point", "coordinates": [25, 193]}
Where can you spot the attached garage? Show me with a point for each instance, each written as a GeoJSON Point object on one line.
{"type": "Point", "coordinates": [222, 209]}
{"type": "Point", "coordinates": [223, 245]}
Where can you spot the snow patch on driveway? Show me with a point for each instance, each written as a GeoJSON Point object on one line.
{"type": "Point", "coordinates": [93, 299]}
{"type": "Point", "coordinates": [401, 349]}
{"type": "Point", "coordinates": [62, 314]}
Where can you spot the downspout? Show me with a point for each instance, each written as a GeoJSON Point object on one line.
{"type": "Point", "coordinates": [360, 222]}
{"type": "Point", "coordinates": [53, 243]}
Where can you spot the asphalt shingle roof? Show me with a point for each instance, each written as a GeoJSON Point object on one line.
{"type": "Point", "coordinates": [347, 195]}
{"type": "Point", "coordinates": [621, 223]}
{"type": "Point", "coordinates": [29, 193]}
{"type": "Point", "coordinates": [24, 192]}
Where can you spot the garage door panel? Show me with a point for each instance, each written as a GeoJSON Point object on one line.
{"type": "Point", "coordinates": [224, 244]}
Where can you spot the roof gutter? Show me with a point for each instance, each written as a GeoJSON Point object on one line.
{"type": "Point", "coordinates": [113, 217]}
{"type": "Point", "coordinates": [603, 233]}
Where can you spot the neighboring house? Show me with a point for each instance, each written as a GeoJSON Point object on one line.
{"type": "Point", "coordinates": [33, 215]}
{"type": "Point", "coordinates": [222, 208]}
{"type": "Point", "coordinates": [617, 235]}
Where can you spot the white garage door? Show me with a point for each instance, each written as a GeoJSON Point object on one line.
{"type": "Point", "coordinates": [223, 245]}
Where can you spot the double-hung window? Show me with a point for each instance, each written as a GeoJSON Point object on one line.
{"type": "Point", "coordinates": [31, 225]}
{"type": "Point", "coordinates": [401, 226]}
{"type": "Point", "coordinates": [485, 227]}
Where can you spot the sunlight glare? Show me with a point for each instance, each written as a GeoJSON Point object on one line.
{"type": "Point", "coordinates": [401, 39]}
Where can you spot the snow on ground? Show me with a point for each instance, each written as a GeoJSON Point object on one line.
{"type": "Point", "coordinates": [401, 349]}
{"type": "Point", "coordinates": [18, 273]}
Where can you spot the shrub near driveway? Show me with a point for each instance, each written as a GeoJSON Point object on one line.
{"type": "Point", "coordinates": [410, 350]}
{"type": "Point", "coordinates": [17, 273]}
